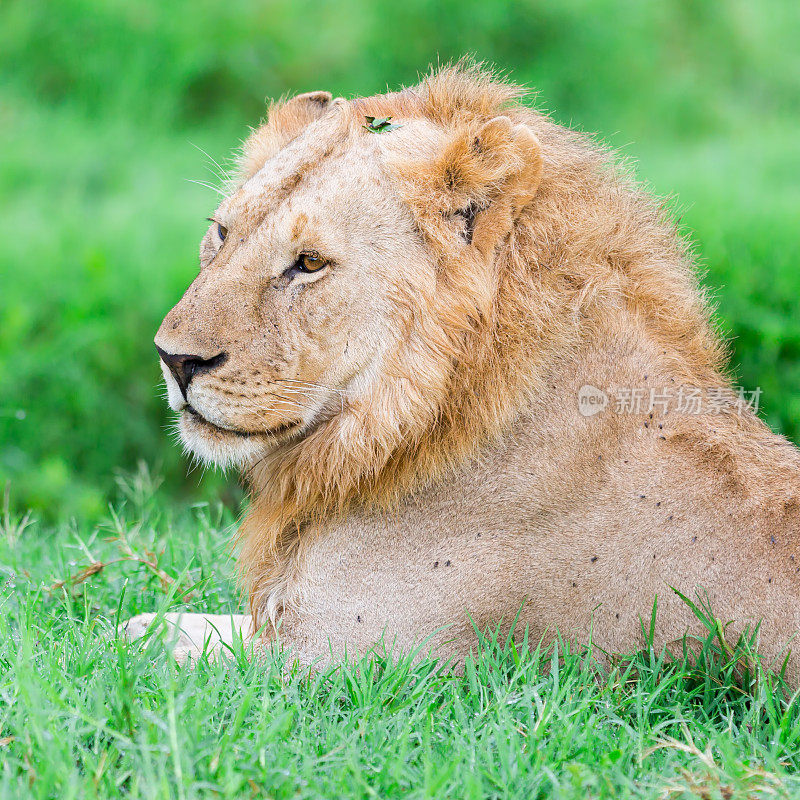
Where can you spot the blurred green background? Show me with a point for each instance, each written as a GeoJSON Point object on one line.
{"type": "Point", "coordinates": [106, 109]}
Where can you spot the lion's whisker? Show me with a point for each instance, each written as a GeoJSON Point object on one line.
{"type": "Point", "coordinates": [315, 386]}
{"type": "Point", "coordinates": [290, 405]}
{"type": "Point", "coordinates": [207, 185]}
{"type": "Point", "coordinates": [306, 406]}
{"type": "Point", "coordinates": [222, 174]}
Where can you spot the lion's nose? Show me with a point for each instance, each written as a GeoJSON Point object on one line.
{"type": "Point", "coordinates": [184, 367]}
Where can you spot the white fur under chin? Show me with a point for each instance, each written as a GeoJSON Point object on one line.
{"type": "Point", "coordinates": [223, 451]}
{"type": "Point", "coordinates": [211, 449]}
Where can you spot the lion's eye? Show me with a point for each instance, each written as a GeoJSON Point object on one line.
{"type": "Point", "coordinates": [310, 262]}
{"type": "Point", "coordinates": [220, 229]}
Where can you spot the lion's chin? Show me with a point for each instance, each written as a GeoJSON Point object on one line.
{"type": "Point", "coordinates": [227, 449]}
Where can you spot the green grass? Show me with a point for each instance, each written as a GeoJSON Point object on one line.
{"type": "Point", "coordinates": [84, 714]}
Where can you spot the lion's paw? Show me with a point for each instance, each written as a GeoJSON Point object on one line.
{"type": "Point", "coordinates": [190, 635]}
{"type": "Point", "coordinates": [137, 626]}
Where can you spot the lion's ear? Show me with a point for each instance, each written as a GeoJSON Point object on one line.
{"type": "Point", "coordinates": [487, 177]}
{"type": "Point", "coordinates": [285, 120]}
{"type": "Point", "coordinates": [318, 98]}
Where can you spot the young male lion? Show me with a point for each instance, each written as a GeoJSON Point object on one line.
{"type": "Point", "coordinates": [466, 369]}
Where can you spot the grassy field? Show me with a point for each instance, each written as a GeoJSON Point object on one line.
{"type": "Point", "coordinates": [85, 715]}
{"type": "Point", "coordinates": [108, 113]}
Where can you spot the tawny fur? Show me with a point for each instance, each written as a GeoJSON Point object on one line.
{"type": "Point", "coordinates": [541, 265]}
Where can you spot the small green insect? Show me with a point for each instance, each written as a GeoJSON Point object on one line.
{"type": "Point", "coordinates": [380, 124]}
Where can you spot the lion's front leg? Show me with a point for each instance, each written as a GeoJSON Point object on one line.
{"type": "Point", "coordinates": [191, 635]}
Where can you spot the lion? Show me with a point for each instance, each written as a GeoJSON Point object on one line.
{"type": "Point", "coordinates": [418, 330]}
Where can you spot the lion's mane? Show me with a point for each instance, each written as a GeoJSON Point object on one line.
{"type": "Point", "coordinates": [582, 241]}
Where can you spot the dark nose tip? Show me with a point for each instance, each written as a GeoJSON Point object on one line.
{"type": "Point", "coordinates": [184, 367]}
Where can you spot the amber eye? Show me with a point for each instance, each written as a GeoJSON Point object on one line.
{"type": "Point", "coordinates": [310, 262]}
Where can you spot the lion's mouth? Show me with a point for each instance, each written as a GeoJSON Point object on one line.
{"type": "Point", "coordinates": [199, 419]}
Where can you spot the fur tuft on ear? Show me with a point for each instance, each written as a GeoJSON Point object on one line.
{"type": "Point", "coordinates": [285, 120]}
{"type": "Point", "coordinates": [486, 176]}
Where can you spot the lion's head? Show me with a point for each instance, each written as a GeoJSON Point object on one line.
{"type": "Point", "coordinates": [295, 310]}
{"type": "Point", "coordinates": [375, 300]}
{"type": "Point", "coordinates": [343, 277]}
